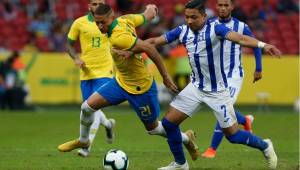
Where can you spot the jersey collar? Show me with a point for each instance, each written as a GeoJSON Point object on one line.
{"type": "Point", "coordinates": [224, 21]}
{"type": "Point", "coordinates": [90, 17]}
{"type": "Point", "coordinates": [112, 26]}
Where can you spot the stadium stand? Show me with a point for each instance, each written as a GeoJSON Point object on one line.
{"type": "Point", "coordinates": [44, 23]}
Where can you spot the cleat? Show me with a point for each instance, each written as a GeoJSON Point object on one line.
{"type": "Point", "coordinates": [84, 152]}
{"type": "Point", "coordinates": [175, 166]}
{"type": "Point", "coordinates": [249, 121]}
{"type": "Point", "coordinates": [209, 153]}
{"type": "Point", "coordinates": [110, 136]}
{"type": "Point", "coordinates": [71, 145]}
{"type": "Point", "coordinates": [191, 146]}
{"type": "Point", "coordinates": [270, 155]}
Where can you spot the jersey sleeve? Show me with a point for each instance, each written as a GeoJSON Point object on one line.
{"type": "Point", "coordinates": [173, 34]}
{"type": "Point", "coordinates": [221, 30]}
{"type": "Point", "coordinates": [257, 51]}
{"type": "Point", "coordinates": [74, 32]}
{"type": "Point", "coordinates": [123, 41]}
{"type": "Point", "coordinates": [136, 19]}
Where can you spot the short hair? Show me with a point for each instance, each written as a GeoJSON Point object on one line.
{"type": "Point", "coordinates": [103, 9]}
{"type": "Point", "coordinates": [196, 4]}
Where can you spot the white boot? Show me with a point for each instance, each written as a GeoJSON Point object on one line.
{"type": "Point", "coordinates": [270, 154]}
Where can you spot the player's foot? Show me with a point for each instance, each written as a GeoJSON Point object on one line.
{"type": "Point", "coordinates": [249, 121]}
{"type": "Point", "coordinates": [71, 145]}
{"type": "Point", "coordinates": [270, 155]}
{"type": "Point", "coordinates": [209, 153]}
{"type": "Point", "coordinates": [84, 152]}
{"type": "Point", "coordinates": [110, 136]}
{"type": "Point", "coordinates": [191, 146]}
{"type": "Point", "coordinates": [175, 166]}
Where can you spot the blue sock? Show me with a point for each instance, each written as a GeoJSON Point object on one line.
{"type": "Point", "coordinates": [241, 119]}
{"type": "Point", "coordinates": [217, 137]}
{"type": "Point", "coordinates": [247, 138]}
{"type": "Point", "coordinates": [174, 141]}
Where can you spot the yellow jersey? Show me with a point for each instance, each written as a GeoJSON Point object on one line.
{"type": "Point", "coordinates": [131, 73]}
{"type": "Point", "coordinates": [95, 48]}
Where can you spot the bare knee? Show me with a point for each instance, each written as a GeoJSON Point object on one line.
{"type": "Point", "coordinates": [151, 126]}
{"type": "Point", "coordinates": [230, 130]}
{"type": "Point", "coordinates": [96, 101]}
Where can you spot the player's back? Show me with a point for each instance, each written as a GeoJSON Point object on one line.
{"type": "Point", "coordinates": [131, 74]}
{"type": "Point", "coordinates": [95, 48]}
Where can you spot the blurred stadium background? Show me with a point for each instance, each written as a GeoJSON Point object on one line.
{"type": "Point", "coordinates": [46, 83]}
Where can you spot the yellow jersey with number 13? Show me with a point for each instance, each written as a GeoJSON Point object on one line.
{"type": "Point", "coordinates": [131, 74]}
{"type": "Point", "coordinates": [95, 48]}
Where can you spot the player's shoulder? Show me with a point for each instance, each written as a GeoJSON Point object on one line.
{"type": "Point", "coordinates": [213, 20]}
{"type": "Point", "coordinates": [81, 19]}
{"type": "Point", "coordinates": [239, 21]}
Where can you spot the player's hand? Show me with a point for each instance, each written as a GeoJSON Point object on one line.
{"type": "Point", "coordinates": [272, 50]}
{"type": "Point", "coordinates": [79, 63]}
{"type": "Point", "coordinates": [257, 76]}
{"type": "Point", "coordinates": [125, 54]}
{"type": "Point", "coordinates": [152, 8]}
{"type": "Point", "coordinates": [168, 82]}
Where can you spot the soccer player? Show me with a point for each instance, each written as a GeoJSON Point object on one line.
{"type": "Point", "coordinates": [233, 69]}
{"type": "Point", "coordinates": [96, 67]}
{"type": "Point", "coordinates": [204, 42]}
{"type": "Point", "coordinates": [133, 82]}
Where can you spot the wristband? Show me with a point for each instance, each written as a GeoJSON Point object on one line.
{"type": "Point", "coordinates": [261, 44]}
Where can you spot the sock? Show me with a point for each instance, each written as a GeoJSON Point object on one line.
{"type": "Point", "coordinates": [159, 130]}
{"type": "Point", "coordinates": [247, 138]}
{"type": "Point", "coordinates": [85, 124]}
{"type": "Point", "coordinates": [217, 137]}
{"type": "Point", "coordinates": [241, 119]}
{"type": "Point", "coordinates": [94, 128]}
{"type": "Point", "coordinates": [103, 120]}
{"type": "Point", "coordinates": [86, 120]}
{"type": "Point", "coordinates": [174, 141]}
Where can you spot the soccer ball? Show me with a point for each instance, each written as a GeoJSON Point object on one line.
{"type": "Point", "coordinates": [115, 160]}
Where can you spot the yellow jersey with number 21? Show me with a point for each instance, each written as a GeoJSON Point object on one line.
{"type": "Point", "coordinates": [131, 74]}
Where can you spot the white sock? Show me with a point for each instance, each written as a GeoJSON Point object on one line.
{"type": "Point", "coordinates": [103, 120]}
{"type": "Point", "coordinates": [86, 120]}
{"type": "Point", "coordinates": [185, 138]}
{"type": "Point", "coordinates": [94, 127]}
{"type": "Point", "coordinates": [160, 130]}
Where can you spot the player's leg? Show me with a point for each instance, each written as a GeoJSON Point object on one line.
{"type": "Point", "coordinates": [105, 96]}
{"type": "Point", "coordinates": [220, 102]}
{"type": "Point", "coordinates": [182, 107]}
{"type": "Point", "coordinates": [235, 85]}
{"type": "Point", "coordinates": [103, 120]}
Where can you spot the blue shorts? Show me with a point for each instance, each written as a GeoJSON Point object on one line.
{"type": "Point", "coordinates": [146, 105]}
{"type": "Point", "coordinates": [88, 87]}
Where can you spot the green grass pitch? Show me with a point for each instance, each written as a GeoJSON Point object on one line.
{"type": "Point", "coordinates": [28, 141]}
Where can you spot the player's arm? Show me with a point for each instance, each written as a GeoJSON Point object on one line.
{"type": "Point", "coordinates": [167, 38]}
{"type": "Point", "coordinates": [244, 40]}
{"type": "Point", "coordinates": [73, 54]}
{"type": "Point", "coordinates": [156, 41]}
{"type": "Point", "coordinates": [142, 46]}
{"type": "Point", "coordinates": [72, 37]}
{"type": "Point", "coordinates": [258, 57]}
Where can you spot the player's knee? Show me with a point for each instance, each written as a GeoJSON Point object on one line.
{"type": "Point", "coordinates": [233, 138]}
{"type": "Point", "coordinates": [86, 109]}
{"type": "Point", "coordinates": [159, 130]}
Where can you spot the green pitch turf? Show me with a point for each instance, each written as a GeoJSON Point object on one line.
{"type": "Point", "coordinates": [28, 141]}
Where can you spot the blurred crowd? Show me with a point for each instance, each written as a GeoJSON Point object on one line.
{"type": "Point", "coordinates": [12, 83]}
{"type": "Point", "coordinates": [26, 24]}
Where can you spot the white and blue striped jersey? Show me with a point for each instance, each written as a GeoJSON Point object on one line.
{"type": "Point", "coordinates": [205, 52]}
{"type": "Point", "coordinates": [232, 51]}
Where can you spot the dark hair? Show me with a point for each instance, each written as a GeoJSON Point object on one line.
{"type": "Point", "coordinates": [196, 4]}
{"type": "Point", "coordinates": [103, 9]}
